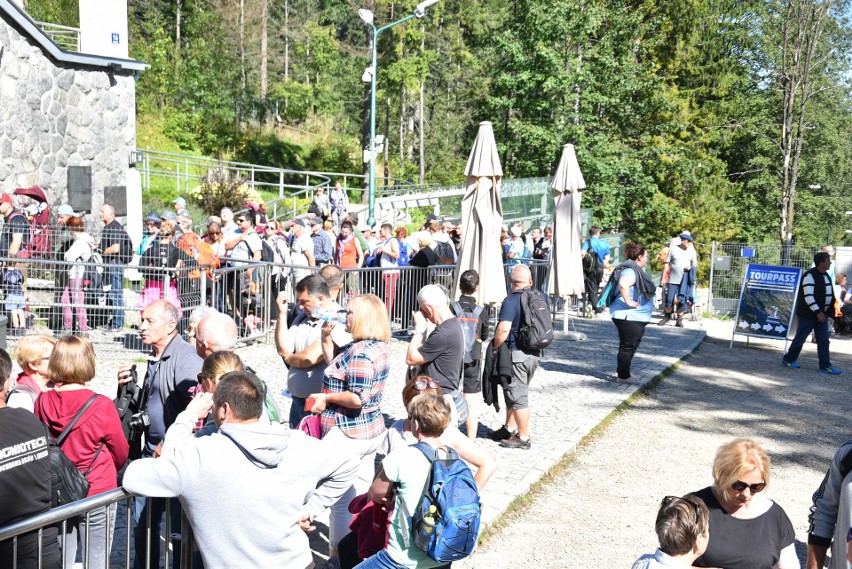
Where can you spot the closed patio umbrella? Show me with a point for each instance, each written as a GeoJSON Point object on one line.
{"type": "Point", "coordinates": [565, 277]}
{"type": "Point", "coordinates": [482, 219]}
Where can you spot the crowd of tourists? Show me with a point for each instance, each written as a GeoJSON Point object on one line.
{"type": "Point", "coordinates": [198, 417]}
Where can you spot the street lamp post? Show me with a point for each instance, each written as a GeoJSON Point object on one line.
{"type": "Point", "coordinates": [370, 75]}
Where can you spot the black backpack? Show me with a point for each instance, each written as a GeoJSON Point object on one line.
{"type": "Point", "coordinates": [68, 484]}
{"type": "Point", "coordinates": [536, 332]}
{"type": "Point", "coordinates": [590, 262]}
{"type": "Point", "coordinates": [444, 251]}
{"type": "Point", "coordinates": [267, 255]}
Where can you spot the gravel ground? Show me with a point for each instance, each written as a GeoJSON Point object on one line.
{"type": "Point", "coordinates": [600, 511]}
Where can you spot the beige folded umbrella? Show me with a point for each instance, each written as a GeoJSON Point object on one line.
{"type": "Point", "coordinates": [565, 277]}
{"type": "Point", "coordinates": [482, 218]}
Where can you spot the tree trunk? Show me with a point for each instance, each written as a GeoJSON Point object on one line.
{"type": "Point", "coordinates": [803, 25]}
{"type": "Point", "coordinates": [420, 113]}
{"type": "Point", "coordinates": [242, 48]}
{"type": "Point", "coordinates": [386, 145]}
{"type": "Point", "coordinates": [286, 43]}
{"type": "Point", "coordinates": [264, 23]}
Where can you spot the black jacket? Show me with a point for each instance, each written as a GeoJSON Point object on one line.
{"type": "Point", "coordinates": [497, 372]}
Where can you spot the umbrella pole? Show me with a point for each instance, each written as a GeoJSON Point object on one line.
{"type": "Point", "coordinates": [572, 335]}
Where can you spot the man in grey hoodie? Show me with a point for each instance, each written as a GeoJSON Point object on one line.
{"type": "Point", "coordinates": [250, 489]}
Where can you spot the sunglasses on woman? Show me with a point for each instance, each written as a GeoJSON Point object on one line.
{"type": "Point", "coordinates": [740, 486]}
{"type": "Point", "coordinates": [421, 385]}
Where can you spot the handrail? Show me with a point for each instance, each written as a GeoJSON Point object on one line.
{"type": "Point", "coordinates": [56, 515]}
{"type": "Point", "coordinates": [66, 37]}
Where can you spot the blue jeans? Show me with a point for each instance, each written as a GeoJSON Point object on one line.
{"type": "Point", "coordinates": [297, 411]}
{"type": "Point", "coordinates": [115, 278]}
{"type": "Point", "coordinates": [803, 332]}
{"type": "Point", "coordinates": [140, 534]}
{"type": "Point", "coordinates": [382, 560]}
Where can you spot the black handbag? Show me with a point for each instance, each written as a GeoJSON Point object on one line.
{"type": "Point", "coordinates": [68, 484]}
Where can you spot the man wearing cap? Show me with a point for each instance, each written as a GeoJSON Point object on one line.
{"type": "Point", "coordinates": [184, 221]}
{"type": "Point", "coordinates": [681, 260]}
{"type": "Point", "coordinates": [323, 249]}
{"type": "Point", "coordinates": [180, 205]}
{"type": "Point", "coordinates": [302, 249]}
{"type": "Point", "coordinates": [16, 226]}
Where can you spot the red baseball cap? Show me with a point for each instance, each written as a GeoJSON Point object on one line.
{"type": "Point", "coordinates": [5, 198]}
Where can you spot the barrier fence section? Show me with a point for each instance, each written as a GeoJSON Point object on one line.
{"type": "Point", "coordinates": [58, 297]}
{"type": "Point", "coordinates": [730, 260]}
{"type": "Point", "coordinates": [120, 509]}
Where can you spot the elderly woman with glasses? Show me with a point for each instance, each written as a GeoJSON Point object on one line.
{"type": "Point", "coordinates": [349, 406]}
{"type": "Point", "coordinates": [747, 529]}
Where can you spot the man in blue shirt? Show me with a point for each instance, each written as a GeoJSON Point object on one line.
{"type": "Point", "coordinates": [524, 365]}
{"type": "Point", "coordinates": [594, 245]}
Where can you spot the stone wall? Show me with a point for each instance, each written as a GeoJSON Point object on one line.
{"type": "Point", "coordinates": [53, 116]}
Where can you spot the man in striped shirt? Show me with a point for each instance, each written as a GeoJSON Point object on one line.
{"type": "Point", "coordinates": [813, 307]}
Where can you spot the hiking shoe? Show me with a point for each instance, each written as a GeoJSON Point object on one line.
{"type": "Point", "coordinates": [830, 371]}
{"type": "Point", "coordinates": [501, 434]}
{"type": "Point", "coordinates": [516, 442]}
{"type": "Point", "coordinates": [794, 365]}
{"type": "Point", "coordinates": [632, 380]}
{"type": "Point", "coordinates": [664, 320]}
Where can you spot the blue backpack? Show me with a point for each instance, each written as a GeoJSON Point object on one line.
{"type": "Point", "coordinates": [452, 490]}
{"type": "Point", "coordinates": [404, 254]}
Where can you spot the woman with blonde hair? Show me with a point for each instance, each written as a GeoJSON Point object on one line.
{"type": "Point", "coordinates": [33, 356]}
{"type": "Point", "coordinates": [95, 444]}
{"type": "Point", "coordinates": [350, 403]}
{"type": "Point", "coordinates": [747, 529]}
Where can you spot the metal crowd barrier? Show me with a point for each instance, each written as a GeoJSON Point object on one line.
{"type": "Point", "coordinates": [119, 544]}
{"type": "Point", "coordinates": [246, 290]}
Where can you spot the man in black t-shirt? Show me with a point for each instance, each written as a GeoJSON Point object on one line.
{"type": "Point", "coordinates": [442, 353]}
{"type": "Point", "coordinates": [14, 227]}
{"type": "Point", "coordinates": [114, 245]}
{"type": "Point", "coordinates": [25, 482]}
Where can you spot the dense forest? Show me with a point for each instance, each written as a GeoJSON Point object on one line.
{"type": "Point", "coordinates": [728, 117]}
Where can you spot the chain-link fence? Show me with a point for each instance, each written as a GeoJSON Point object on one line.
{"type": "Point", "coordinates": [729, 262]}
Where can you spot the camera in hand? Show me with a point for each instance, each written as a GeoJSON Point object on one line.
{"type": "Point", "coordinates": [139, 422]}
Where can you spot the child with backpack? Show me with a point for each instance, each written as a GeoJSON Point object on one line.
{"type": "Point", "coordinates": [474, 321]}
{"type": "Point", "coordinates": [402, 477]}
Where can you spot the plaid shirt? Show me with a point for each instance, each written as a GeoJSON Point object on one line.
{"type": "Point", "coordinates": [361, 368]}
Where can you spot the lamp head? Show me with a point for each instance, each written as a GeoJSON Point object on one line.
{"type": "Point", "coordinates": [420, 10]}
{"type": "Point", "coordinates": [366, 15]}
{"type": "Point", "coordinates": [368, 75]}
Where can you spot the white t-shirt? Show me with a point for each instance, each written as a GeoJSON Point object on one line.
{"type": "Point", "coordinates": [246, 248]}
{"type": "Point", "coordinates": [302, 382]}
{"type": "Point", "coordinates": [300, 245]}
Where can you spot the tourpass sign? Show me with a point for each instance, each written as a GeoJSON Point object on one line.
{"type": "Point", "coordinates": [767, 301]}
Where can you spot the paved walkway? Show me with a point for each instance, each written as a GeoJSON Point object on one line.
{"type": "Point", "coordinates": [570, 395]}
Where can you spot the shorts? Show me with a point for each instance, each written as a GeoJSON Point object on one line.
{"type": "Point", "coordinates": [15, 302]}
{"type": "Point", "coordinates": [472, 379]}
{"type": "Point", "coordinates": [517, 391]}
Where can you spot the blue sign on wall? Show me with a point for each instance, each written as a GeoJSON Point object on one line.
{"type": "Point", "coordinates": [116, 39]}
{"type": "Point", "coordinates": [767, 301]}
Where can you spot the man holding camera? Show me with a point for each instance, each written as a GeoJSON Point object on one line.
{"type": "Point", "coordinates": [173, 369]}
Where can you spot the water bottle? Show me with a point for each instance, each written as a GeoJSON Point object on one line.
{"type": "Point", "coordinates": [426, 529]}
{"type": "Point", "coordinates": [328, 316]}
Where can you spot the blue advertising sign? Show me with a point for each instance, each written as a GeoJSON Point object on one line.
{"type": "Point", "coordinates": [767, 301]}
{"type": "Point", "coordinates": [115, 38]}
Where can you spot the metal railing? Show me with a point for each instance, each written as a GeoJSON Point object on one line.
{"type": "Point", "coordinates": [66, 37]}
{"type": "Point", "coordinates": [729, 261]}
{"type": "Point", "coordinates": [119, 505]}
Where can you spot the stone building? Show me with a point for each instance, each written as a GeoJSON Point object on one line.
{"type": "Point", "coordinates": [62, 108]}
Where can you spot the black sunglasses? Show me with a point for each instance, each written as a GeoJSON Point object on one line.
{"type": "Point", "coordinates": [740, 486]}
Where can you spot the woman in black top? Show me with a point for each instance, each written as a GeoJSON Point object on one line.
{"type": "Point", "coordinates": [747, 529]}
